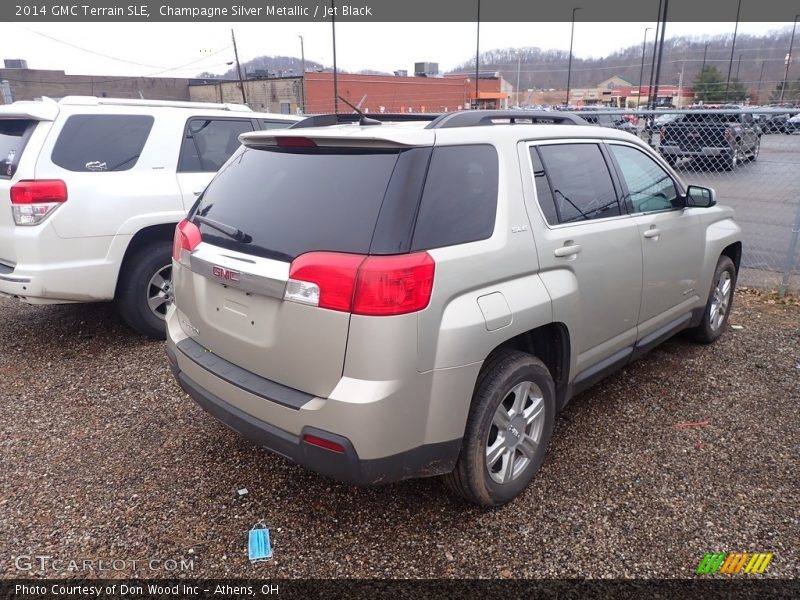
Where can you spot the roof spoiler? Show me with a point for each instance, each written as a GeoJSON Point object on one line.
{"type": "Point", "coordinates": [342, 119]}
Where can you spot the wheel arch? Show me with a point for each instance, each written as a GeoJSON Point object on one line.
{"type": "Point", "coordinates": [549, 343]}
{"type": "Point", "coordinates": [162, 232]}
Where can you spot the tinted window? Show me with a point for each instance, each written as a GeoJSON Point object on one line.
{"type": "Point", "coordinates": [296, 202]}
{"type": "Point", "coordinates": [101, 142]}
{"type": "Point", "coordinates": [543, 192]}
{"type": "Point", "coordinates": [581, 184]}
{"type": "Point", "coordinates": [14, 135]}
{"type": "Point", "coordinates": [649, 186]}
{"type": "Point", "coordinates": [459, 200]}
{"type": "Point", "coordinates": [208, 143]}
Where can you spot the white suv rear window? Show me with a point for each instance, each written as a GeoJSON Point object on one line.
{"type": "Point", "coordinates": [14, 134]}
{"type": "Point", "coordinates": [101, 142]}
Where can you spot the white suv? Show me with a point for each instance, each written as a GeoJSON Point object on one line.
{"type": "Point", "coordinates": [93, 189]}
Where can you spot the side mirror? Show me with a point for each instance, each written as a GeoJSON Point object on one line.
{"type": "Point", "coordinates": [700, 197]}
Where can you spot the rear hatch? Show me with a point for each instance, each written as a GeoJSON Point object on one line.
{"type": "Point", "coordinates": [329, 200]}
{"type": "Point", "coordinates": [20, 139]}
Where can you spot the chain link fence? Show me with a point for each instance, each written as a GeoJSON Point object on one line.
{"type": "Point", "coordinates": [751, 157]}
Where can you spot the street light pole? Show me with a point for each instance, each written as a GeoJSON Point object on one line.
{"type": "Point", "coordinates": [788, 60]}
{"type": "Point", "coordinates": [733, 47]}
{"type": "Point", "coordinates": [302, 75]}
{"type": "Point", "coordinates": [641, 69]}
{"type": "Point", "coordinates": [571, 38]}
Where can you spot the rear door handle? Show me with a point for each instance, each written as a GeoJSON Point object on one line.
{"type": "Point", "coordinates": [198, 193]}
{"type": "Point", "coordinates": [652, 233]}
{"type": "Point", "coordinates": [567, 250]}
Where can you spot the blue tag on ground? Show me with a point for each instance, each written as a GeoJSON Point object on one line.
{"type": "Point", "coordinates": [259, 547]}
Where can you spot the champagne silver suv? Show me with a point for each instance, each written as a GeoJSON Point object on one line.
{"type": "Point", "coordinates": [384, 301]}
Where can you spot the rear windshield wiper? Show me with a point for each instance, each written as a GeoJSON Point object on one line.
{"type": "Point", "coordinates": [229, 230]}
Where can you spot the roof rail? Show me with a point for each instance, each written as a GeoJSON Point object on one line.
{"type": "Point", "coordinates": [344, 118]}
{"type": "Point", "coordinates": [472, 118]}
{"type": "Point", "coordinates": [95, 101]}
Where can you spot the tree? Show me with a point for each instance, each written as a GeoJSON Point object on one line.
{"type": "Point", "coordinates": [790, 94]}
{"type": "Point", "coordinates": [709, 85]}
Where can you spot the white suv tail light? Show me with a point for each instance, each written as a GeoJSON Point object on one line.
{"type": "Point", "coordinates": [32, 201]}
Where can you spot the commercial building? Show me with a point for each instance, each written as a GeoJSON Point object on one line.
{"type": "Point", "coordinates": [619, 92]}
{"type": "Point", "coordinates": [18, 82]}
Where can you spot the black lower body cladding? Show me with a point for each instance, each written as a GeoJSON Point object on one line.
{"type": "Point", "coordinates": [424, 461]}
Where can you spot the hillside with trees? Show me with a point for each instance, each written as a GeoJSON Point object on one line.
{"type": "Point", "coordinates": [544, 69]}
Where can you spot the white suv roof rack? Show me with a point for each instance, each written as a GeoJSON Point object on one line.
{"type": "Point", "coordinates": [94, 101]}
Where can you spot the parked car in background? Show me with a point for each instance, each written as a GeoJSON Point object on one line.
{"type": "Point", "coordinates": [793, 124]}
{"type": "Point", "coordinates": [604, 120]}
{"type": "Point", "coordinates": [93, 189]}
{"type": "Point", "coordinates": [773, 123]}
{"type": "Point", "coordinates": [718, 139]}
{"type": "Point", "coordinates": [653, 125]}
{"type": "Point", "coordinates": [430, 299]}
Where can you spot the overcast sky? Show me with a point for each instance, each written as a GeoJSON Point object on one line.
{"type": "Point", "coordinates": [186, 49]}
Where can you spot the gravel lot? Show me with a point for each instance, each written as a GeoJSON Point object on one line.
{"type": "Point", "coordinates": [104, 457]}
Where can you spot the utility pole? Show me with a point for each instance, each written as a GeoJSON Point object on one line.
{"type": "Point", "coordinates": [788, 60]}
{"type": "Point", "coordinates": [238, 68]}
{"type": "Point", "coordinates": [519, 62]}
{"type": "Point", "coordinates": [571, 38]}
{"type": "Point", "coordinates": [641, 69]}
{"type": "Point", "coordinates": [661, 49]}
{"type": "Point", "coordinates": [650, 101]}
{"type": "Point", "coordinates": [477, 54]}
{"type": "Point", "coordinates": [739, 65]}
{"type": "Point", "coordinates": [705, 51]}
{"type": "Point", "coordinates": [760, 77]}
{"type": "Point", "coordinates": [680, 85]}
{"type": "Point", "coordinates": [335, 78]}
{"type": "Point", "coordinates": [302, 75]}
{"type": "Point", "coordinates": [733, 47]}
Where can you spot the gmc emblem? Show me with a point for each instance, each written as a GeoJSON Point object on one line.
{"type": "Point", "coordinates": [226, 274]}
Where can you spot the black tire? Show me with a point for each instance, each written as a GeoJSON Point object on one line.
{"type": "Point", "coordinates": [756, 151]}
{"type": "Point", "coordinates": [134, 288]}
{"type": "Point", "coordinates": [471, 478]}
{"type": "Point", "coordinates": [709, 329]}
{"type": "Point", "coordinates": [732, 160]}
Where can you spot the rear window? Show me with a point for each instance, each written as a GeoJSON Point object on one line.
{"type": "Point", "coordinates": [289, 203]}
{"type": "Point", "coordinates": [14, 134]}
{"type": "Point", "coordinates": [101, 142]}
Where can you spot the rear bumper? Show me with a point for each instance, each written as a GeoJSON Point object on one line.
{"type": "Point", "coordinates": [421, 461]}
{"type": "Point", "coordinates": [38, 267]}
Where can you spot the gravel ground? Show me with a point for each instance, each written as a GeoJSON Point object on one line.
{"type": "Point", "coordinates": [104, 457]}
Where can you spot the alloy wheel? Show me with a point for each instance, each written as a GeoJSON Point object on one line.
{"type": "Point", "coordinates": [515, 432]}
{"type": "Point", "coordinates": [159, 292]}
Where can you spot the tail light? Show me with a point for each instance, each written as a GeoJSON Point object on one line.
{"type": "Point", "coordinates": [663, 133]}
{"type": "Point", "coordinates": [32, 201]}
{"type": "Point", "coordinates": [187, 237]}
{"type": "Point", "coordinates": [363, 285]}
